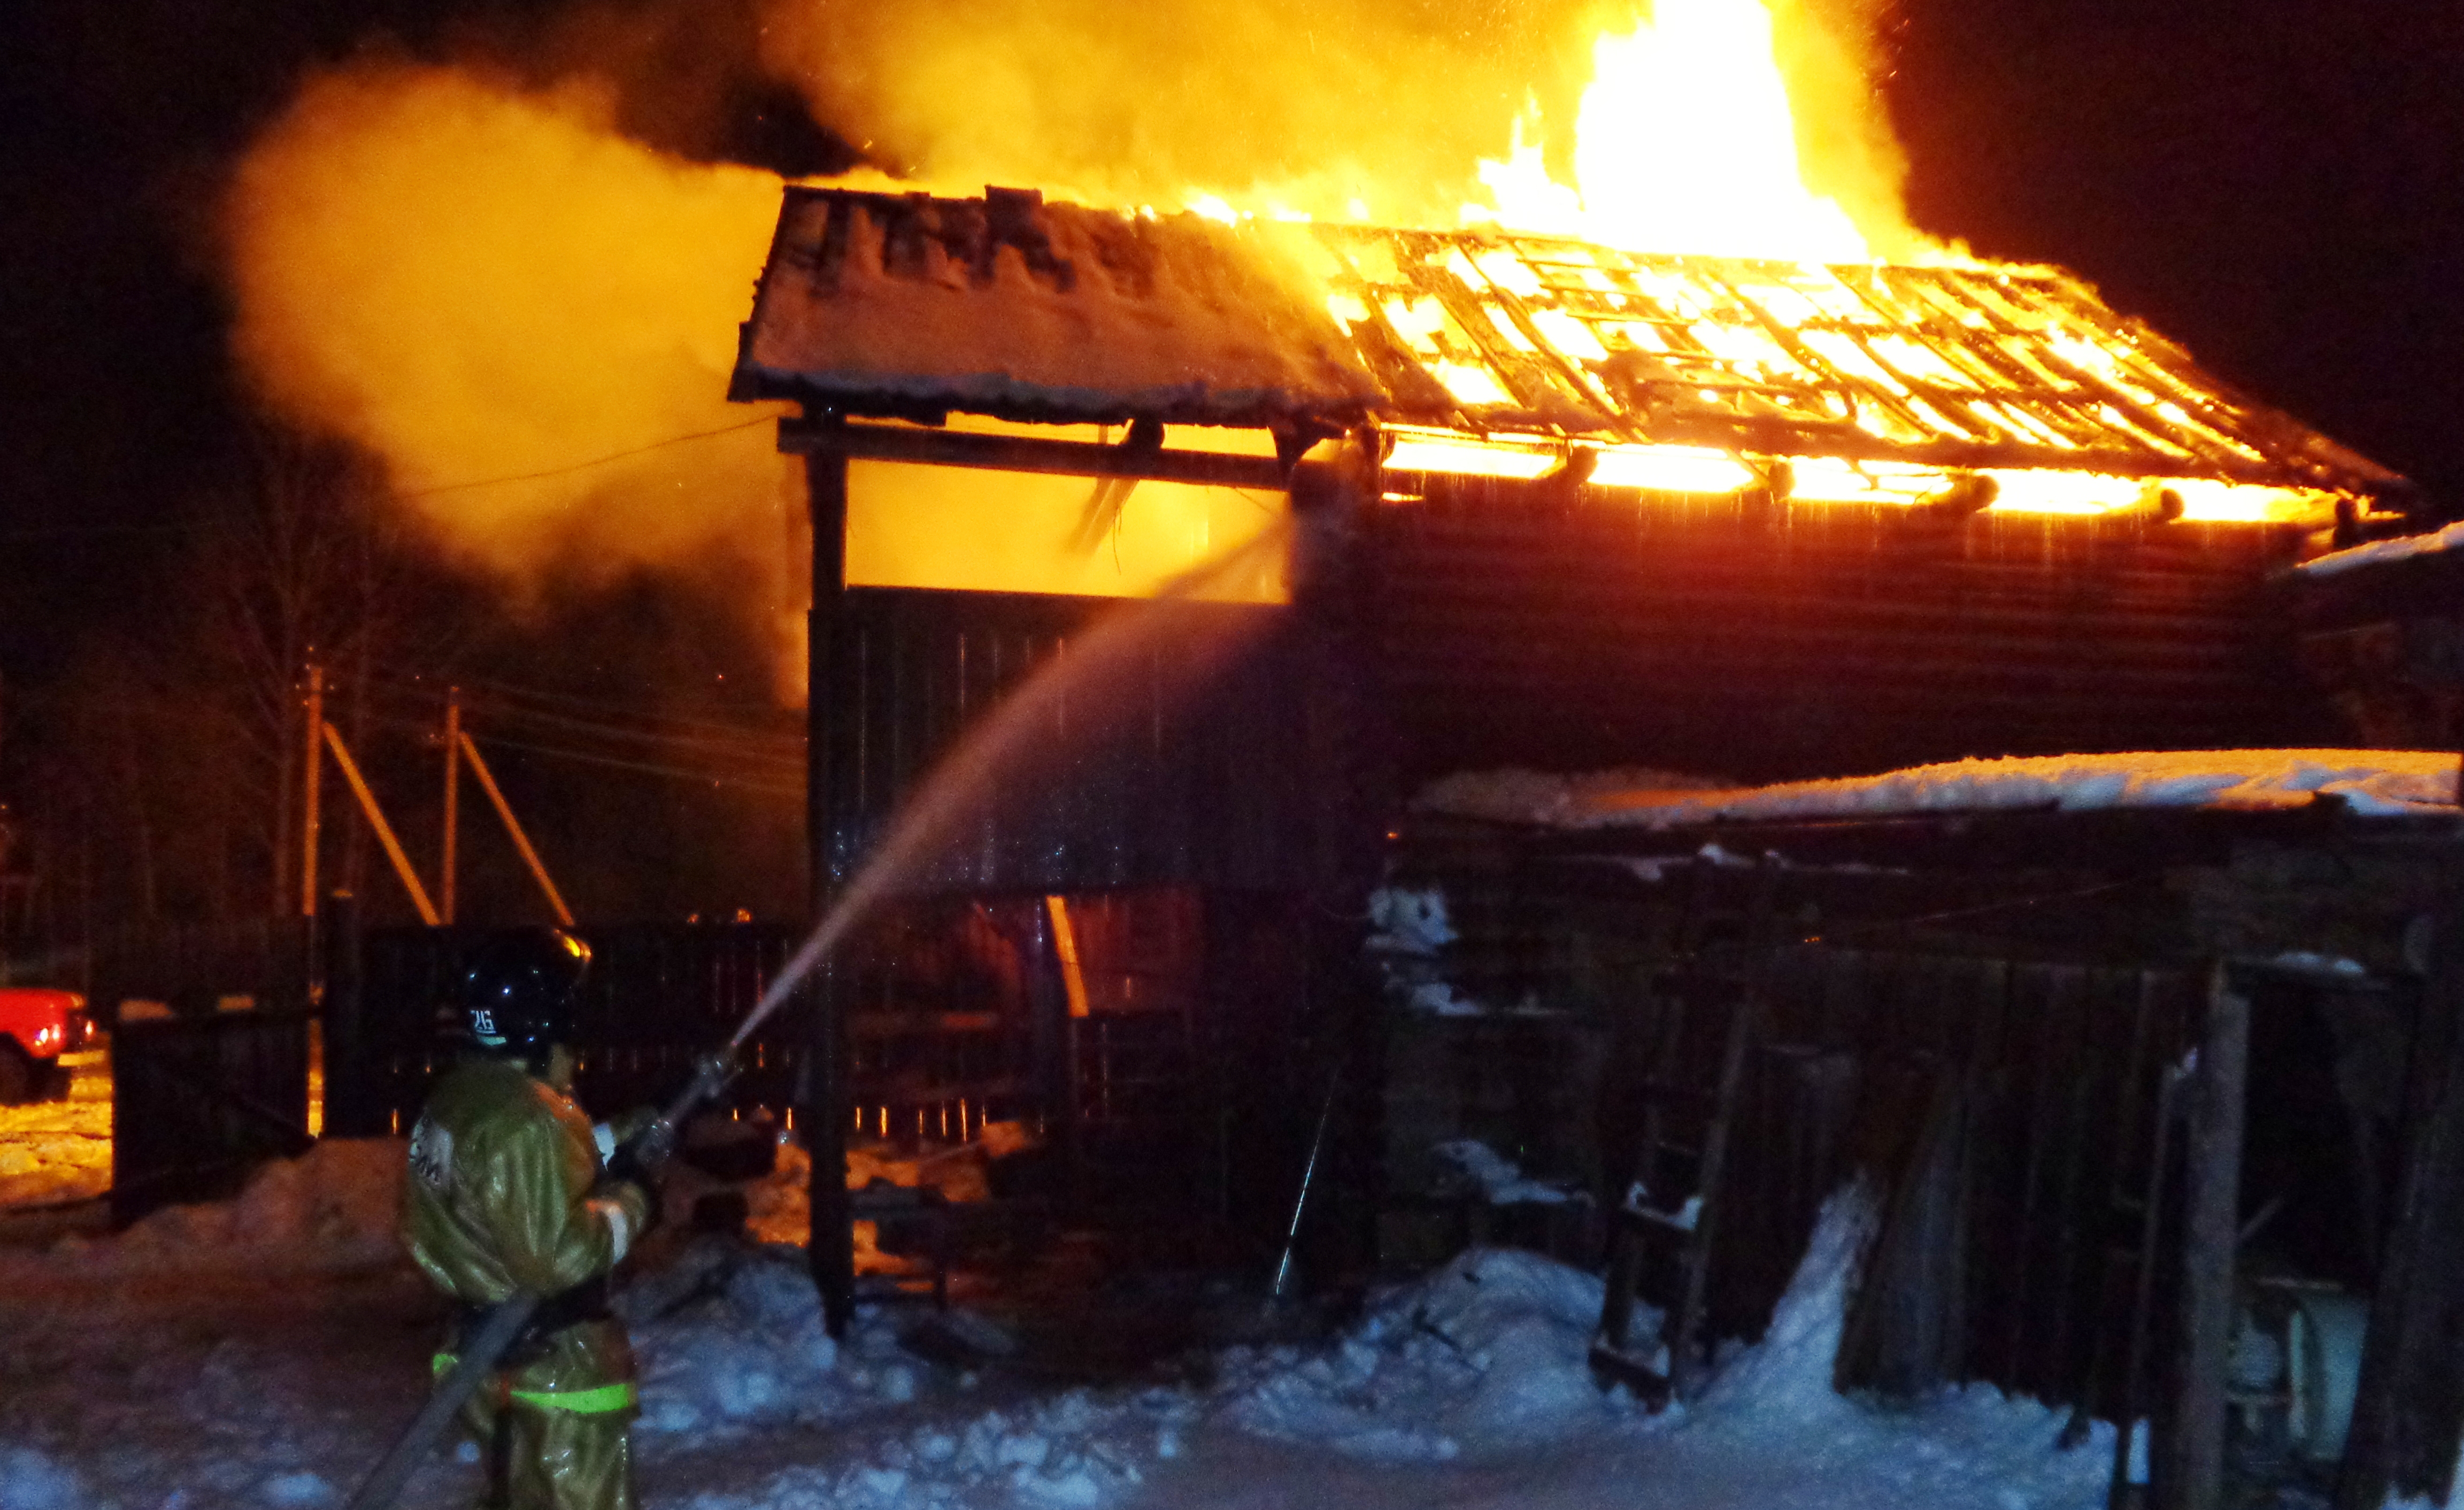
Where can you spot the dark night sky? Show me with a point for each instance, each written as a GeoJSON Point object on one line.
{"type": "Point", "coordinates": [2275, 184]}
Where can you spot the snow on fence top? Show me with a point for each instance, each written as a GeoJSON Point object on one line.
{"type": "Point", "coordinates": [2381, 552]}
{"type": "Point", "coordinates": [2377, 783]}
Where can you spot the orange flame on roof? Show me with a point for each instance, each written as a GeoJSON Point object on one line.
{"type": "Point", "coordinates": [1694, 137]}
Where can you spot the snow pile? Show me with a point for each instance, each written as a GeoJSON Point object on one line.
{"type": "Point", "coordinates": [1499, 1179]}
{"type": "Point", "coordinates": [1076, 1450]}
{"type": "Point", "coordinates": [2377, 783]}
{"type": "Point", "coordinates": [731, 1338]}
{"type": "Point", "coordinates": [1408, 930]}
{"type": "Point", "coordinates": [1406, 921]}
{"type": "Point", "coordinates": [1964, 1446]}
{"type": "Point", "coordinates": [1487, 1355]}
{"type": "Point", "coordinates": [733, 1348]}
{"type": "Point", "coordinates": [1786, 1378]}
{"type": "Point", "coordinates": [332, 1207]}
{"type": "Point", "coordinates": [30, 1480]}
{"type": "Point", "coordinates": [2381, 552]}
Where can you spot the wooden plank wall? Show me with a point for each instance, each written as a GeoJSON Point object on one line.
{"type": "Point", "coordinates": [2006, 1109]}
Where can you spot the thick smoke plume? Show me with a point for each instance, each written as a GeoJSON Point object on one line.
{"type": "Point", "coordinates": [481, 284]}
{"type": "Point", "coordinates": [1317, 104]}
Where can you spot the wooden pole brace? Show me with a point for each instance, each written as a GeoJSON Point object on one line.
{"type": "Point", "coordinates": [514, 827]}
{"type": "Point", "coordinates": [384, 831]}
{"type": "Point", "coordinates": [1065, 944]}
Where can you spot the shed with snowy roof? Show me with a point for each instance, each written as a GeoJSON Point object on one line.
{"type": "Point", "coordinates": [2383, 636]}
{"type": "Point", "coordinates": [2139, 1052]}
{"type": "Point", "coordinates": [1403, 503]}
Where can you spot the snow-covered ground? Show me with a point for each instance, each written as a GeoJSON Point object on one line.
{"type": "Point", "coordinates": [261, 1353]}
{"type": "Point", "coordinates": [53, 1151]}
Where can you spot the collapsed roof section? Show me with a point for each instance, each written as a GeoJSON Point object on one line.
{"type": "Point", "coordinates": [1486, 353]}
{"type": "Point", "coordinates": [1985, 368]}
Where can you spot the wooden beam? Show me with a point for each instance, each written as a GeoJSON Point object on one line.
{"type": "Point", "coordinates": [2193, 1476]}
{"type": "Point", "coordinates": [1065, 944]}
{"type": "Point", "coordinates": [830, 716]}
{"type": "Point", "coordinates": [514, 829]}
{"type": "Point", "coordinates": [385, 830]}
{"type": "Point", "coordinates": [940, 447]}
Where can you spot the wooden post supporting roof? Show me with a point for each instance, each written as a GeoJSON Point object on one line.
{"type": "Point", "coordinates": [2193, 1476]}
{"type": "Point", "coordinates": [1333, 594]}
{"type": "Point", "coordinates": [830, 1240]}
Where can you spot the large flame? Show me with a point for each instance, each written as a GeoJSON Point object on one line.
{"type": "Point", "coordinates": [1690, 139]}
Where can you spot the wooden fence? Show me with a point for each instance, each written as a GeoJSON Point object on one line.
{"type": "Point", "coordinates": [657, 994]}
{"type": "Point", "coordinates": [198, 1102]}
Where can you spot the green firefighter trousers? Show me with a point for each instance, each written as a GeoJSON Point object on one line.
{"type": "Point", "coordinates": [553, 1449]}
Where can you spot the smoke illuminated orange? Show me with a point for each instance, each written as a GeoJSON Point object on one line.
{"type": "Point", "coordinates": [481, 284]}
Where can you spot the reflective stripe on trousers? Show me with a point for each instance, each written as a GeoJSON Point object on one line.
{"type": "Point", "coordinates": [598, 1400]}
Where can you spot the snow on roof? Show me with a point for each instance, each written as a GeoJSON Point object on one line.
{"type": "Point", "coordinates": [2377, 783]}
{"type": "Point", "coordinates": [2380, 552]}
{"type": "Point", "coordinates": [1007, 306]}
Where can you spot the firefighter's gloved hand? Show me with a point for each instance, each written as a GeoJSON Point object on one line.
{"type": "Point", "coordinates": [639, 1202]}
{"type": "Point", "coordinates": [619, 1131]}
{"type": "Point", "coordinates": [640, 1157]}
{"type": "Point", "coordinates": [646, 1150]}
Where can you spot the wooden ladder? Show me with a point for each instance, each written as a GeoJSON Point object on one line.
{"type": "Point", "coordinates": [1671, 1199]}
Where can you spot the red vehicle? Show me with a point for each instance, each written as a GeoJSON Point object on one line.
{"type": "Point", "coordinates": [37, 1027]}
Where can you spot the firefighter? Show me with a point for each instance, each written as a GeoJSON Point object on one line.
{"type": "Point", "coordinates": [509, 1192]}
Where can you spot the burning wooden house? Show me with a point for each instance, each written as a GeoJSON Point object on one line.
{"type": "Point", "coordinates": [1530, 502]}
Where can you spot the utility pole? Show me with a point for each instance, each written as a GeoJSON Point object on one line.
{"type": "Point", "coordinates": [452, 799]}
{"type": "Point", "coordinates": [312, 771]}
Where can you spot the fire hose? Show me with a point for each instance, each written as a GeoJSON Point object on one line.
{"type": "Point", "coordinates": [501, 1324]}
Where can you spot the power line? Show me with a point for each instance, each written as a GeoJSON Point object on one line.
{"type": "Point", "coordinates": [776, 750]}
{"type": "Point", "coordinates": [673, 772]}
{"type": "Point", "coordinates": [488, 698]}
{"type": "Point", "coordinates": [615, 762]}
{"type": "Point", "coordinates": [583, 466]}
{"type": "Point", "coordinates": [76, 532]}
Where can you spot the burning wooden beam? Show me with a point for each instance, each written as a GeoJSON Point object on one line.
{"type": "Point", "coordinates": [1489, 353]}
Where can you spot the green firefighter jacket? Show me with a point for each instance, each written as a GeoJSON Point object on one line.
{"type": "Point", "coordinates": [500, 1199]}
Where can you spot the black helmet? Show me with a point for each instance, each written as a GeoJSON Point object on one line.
{"type": "Point", "coordinates": [518, 990]}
